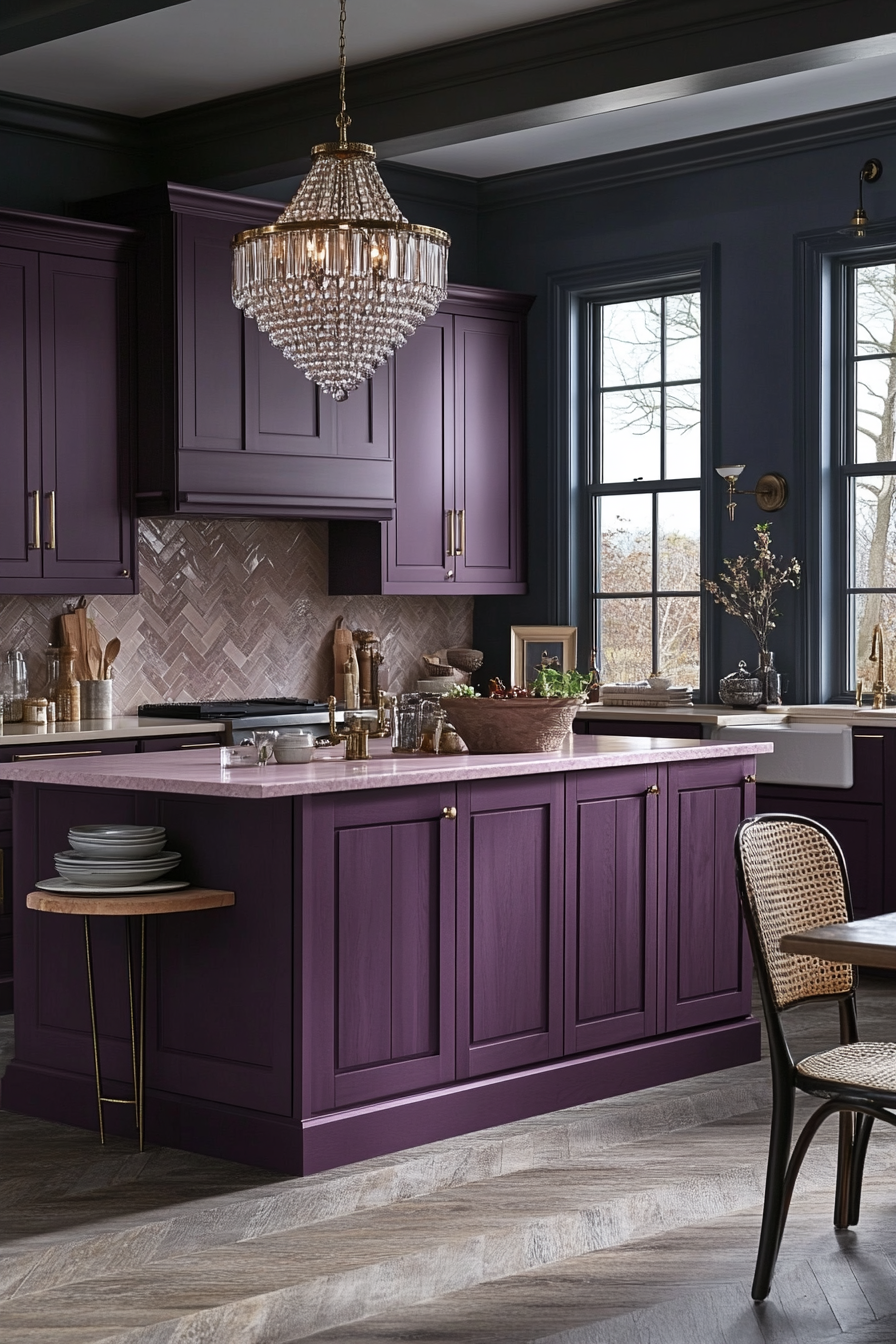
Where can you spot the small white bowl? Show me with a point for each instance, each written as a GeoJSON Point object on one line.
{"type": "Point", "coordinates": [294, 748]}
{"type": "Point", "coordinates": [659, 683]}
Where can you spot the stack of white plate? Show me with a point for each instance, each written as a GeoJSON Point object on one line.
{"type": "Point", "coordinates": [115, 856]}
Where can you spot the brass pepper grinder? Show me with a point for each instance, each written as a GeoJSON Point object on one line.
{"type": "Point", "coordinates": [356, 740]}
{"type": "Point", "coordinates": [369, 659]}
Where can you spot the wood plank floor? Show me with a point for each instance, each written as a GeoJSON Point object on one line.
{"type": "Point", "coordinates": [634, 1221]}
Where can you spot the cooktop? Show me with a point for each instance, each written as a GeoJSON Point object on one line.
{"type": "Point", "coordinates": [230, 709]}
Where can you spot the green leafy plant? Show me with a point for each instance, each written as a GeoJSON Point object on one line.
{"type": "Point", "coordinates": [551, 682]}
{"type": "Point", "coordinates": [749, 586]}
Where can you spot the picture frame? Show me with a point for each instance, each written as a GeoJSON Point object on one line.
{"type": "Point", "coordinates": [531, 644]}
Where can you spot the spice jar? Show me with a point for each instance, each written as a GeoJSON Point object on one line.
{"type": "Point", "coordinates": [34, 709]}
{"type": "Point", "coordinates": [14, 696]}
{"type": "Point", "coordinates": [68, 692]}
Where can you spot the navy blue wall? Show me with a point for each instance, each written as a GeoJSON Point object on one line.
{"type": "Point", "coordinates": [543, 223]}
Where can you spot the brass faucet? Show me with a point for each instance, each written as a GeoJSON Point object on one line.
{"type": "Point", "coordinates": [354, 734]}
{"type": "Point", "coordinates": [880, 689]}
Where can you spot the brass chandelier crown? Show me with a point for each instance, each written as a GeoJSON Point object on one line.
{"type": "Point", "coordinates": [341, 279]}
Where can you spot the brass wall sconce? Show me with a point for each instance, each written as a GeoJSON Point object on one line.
{"type": "Point", "coordinates": [770, 492]}
{"type": "Point", "coordinates": [872, 171]}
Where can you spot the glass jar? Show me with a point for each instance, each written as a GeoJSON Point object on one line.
{"type": "Point", "coordinates": [68, 692]}
{"type": "Point", "coordinates": [770, 679]}
{"type": "Point", "coordinates": [18, 690]}
{"type": "Point", "coordinates": [51, 654]}
{"type": "Point", "coordinates": [406, 735]}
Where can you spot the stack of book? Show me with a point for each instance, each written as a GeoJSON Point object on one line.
{"type": "Point", "coordinates": [638, 694]}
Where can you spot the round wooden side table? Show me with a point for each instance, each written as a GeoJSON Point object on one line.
{"type": "Point", "coordinates": [164, 903]}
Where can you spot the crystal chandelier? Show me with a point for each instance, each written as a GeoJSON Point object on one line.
{"type": "Point", "coordinates": [341, 279]}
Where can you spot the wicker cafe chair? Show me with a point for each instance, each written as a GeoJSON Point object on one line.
{"type": "Point", "coordinates": [791, 876]}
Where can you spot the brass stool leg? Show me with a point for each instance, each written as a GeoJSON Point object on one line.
{"type": "Point", "coordinates": [96, 1047]}
{"type": "Point", "coordinates": [138, 1041]}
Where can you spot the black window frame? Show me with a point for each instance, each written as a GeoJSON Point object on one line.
{"type": "Point", "coordinates": [825, 263]}
{"type": "Point", "coordinates": [574, 294]}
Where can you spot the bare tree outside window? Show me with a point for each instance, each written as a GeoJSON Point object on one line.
{"type": "Point", "coordinates": [646, 500]}
{"type": "Point", "coordinates": [874, 431]}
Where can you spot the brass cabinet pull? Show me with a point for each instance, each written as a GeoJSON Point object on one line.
{"type": "Point", "coordinates": [2, 883]}
{"type": "Point", "coordinates": [449, 813]}
{"type": "Point", "coordinates": [196, 746]}
{"type": "Point", "coordinates": [53, 755]}
{"type": "Point", "coordinates": [654, 788]}
{"type": "Point", "coordinates": [870, 737]}
{"type": "Point", "coordinates": [51, 539]}
{"type": "Point", "coordinates": [452, 544]}
{"type": "Point", "coordinates": [35, 521]}
{"type": "Point", "coordinates": [461, 532]}
{"type": "Point", "coordinates": [749, 779]}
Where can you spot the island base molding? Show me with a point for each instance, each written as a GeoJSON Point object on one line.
{"type": "Point", "coordinates": [322, 1142]}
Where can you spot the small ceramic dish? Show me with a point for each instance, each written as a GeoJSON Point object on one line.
{"type": "Point", "coordinates": [294, 748]}
{"type": "Point", "coordinates": [659, 683]}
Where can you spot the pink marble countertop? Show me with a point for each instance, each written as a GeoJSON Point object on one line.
{"type": "Point", "coordinates": [200, 771]}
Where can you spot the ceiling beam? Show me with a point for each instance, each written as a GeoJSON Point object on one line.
{"type": "Point", "coordinates": [612, 56]}
{"type": "Point", "coordinates": [30, 23]}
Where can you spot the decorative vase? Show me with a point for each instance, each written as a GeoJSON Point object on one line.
{"type": "Point", "coordinates": [769, 678]}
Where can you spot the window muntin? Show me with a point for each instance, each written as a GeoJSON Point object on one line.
{"type": "Point", "coordinates": [870, 460]}
{"type": "Point", "coordinates": [645, 497]}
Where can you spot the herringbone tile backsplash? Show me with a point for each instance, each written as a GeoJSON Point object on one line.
{"type": "Point", "coordinates": [237, 607]}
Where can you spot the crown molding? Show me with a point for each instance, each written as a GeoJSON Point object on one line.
{"type": "Point", "coordinates": [76, 125]}
{"type": "Point", "coordinates": [612, 171]}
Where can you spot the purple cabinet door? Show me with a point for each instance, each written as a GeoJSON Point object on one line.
{"type": "Point", "coordinates": [858, 828]}
{"type": "Point", "coordinates": [85, 422]}
{"type": "Point", "coordinates": [488, 454]}
{"type": "Point", "coordinates": [283, 408]}
{"type": "Point", "coordinates": [210, 336]}
{"type": "Point", "coordinates": [416, 540]}
{"type": "Point", "coordinates": [378, 946]}
{"type": "Point", "coordinates": [611, 908]}
{"type": "Point", "coordinates": [509, 923]}
{"type": "Point", "coordinates": [707, 960]}
{"type": "Point", "coordinates": [20, 419]}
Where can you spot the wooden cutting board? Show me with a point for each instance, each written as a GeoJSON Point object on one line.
{"type": "Point", "coordinates": [72, 633]}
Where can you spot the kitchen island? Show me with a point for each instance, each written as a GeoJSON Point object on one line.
{"type": "Point", "coordinates": [419, 947]}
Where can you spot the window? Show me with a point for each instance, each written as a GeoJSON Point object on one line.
{"type": "Point", "coordinates": [869, 474]}
{"type": "Point", "coordinates": [645, 447]}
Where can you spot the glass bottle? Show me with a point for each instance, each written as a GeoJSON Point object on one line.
{"type": "Point", "coordinates": [18, 671]}
{"type": "Point", "coordinates": [52, 657]}
{"type": "Point", "coordinates": [770, 679]}
{"type": "Point", "coordinates": [406, 735]}
{"type": "Point", "coordinates": [68, 692]}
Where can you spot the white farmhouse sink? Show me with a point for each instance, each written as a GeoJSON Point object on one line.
{"type": "Point", "coordinates": [818, 755]}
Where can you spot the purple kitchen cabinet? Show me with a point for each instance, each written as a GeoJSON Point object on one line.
{"type": "Point", "coordinates": [615, 825]}
{"type": "Point", "coordinates": [65, 388]}
{"type": "Point", "coordinates": [378, 880]}
{"type": "Point", "coordinates": [20, 425]}
{"type": "Point", "coordinates": [227, 425]}
{"type": "Point", "coordinates": [510, 838]}
{"type": "Point", "coordinates": [858, 828]}
{"type": "Point", "coordinates": [458, 459]}
{"type": "Point", "coordinates": [708, 968]}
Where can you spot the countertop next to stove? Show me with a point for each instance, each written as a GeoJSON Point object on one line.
{"type": "Point", "coordinates": [200, 772]}
{"type": "Point", "coordinates": [98, 730]}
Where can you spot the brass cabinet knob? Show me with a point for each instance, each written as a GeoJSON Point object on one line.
{"type": "Point", "coordinates": [449, 813]}
{"type": "Point", "coordinates": [654, 788]}
{"type": "Point", "coordinates": [749, 779]}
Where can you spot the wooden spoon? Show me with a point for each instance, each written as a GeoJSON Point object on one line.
{"type": "Point", "coordinates": [113, 648]}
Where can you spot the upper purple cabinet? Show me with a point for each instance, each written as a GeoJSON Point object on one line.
{"type": "Point", "coordinates": [65, 303]}
{"type": "Point", "coordinates": [458, 459]}
{"type": "Point", "coordinates": [227, 425]}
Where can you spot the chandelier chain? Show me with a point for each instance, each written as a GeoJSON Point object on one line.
{"type": "Point", "coordinates": [343, 121]}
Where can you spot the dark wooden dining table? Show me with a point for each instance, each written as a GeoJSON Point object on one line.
{"type": "Point", "coordinates": [863, 942]}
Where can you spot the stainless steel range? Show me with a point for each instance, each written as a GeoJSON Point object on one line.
{"type": "Point", "coordinates": [240, 715]}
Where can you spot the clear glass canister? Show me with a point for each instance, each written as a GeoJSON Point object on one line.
{"type": "Point", "coordinates": [15, 695]}
{"type": "Point", "coordinates": [406, 735]}
{"type": "Point", "coordinates": [68, 692]}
